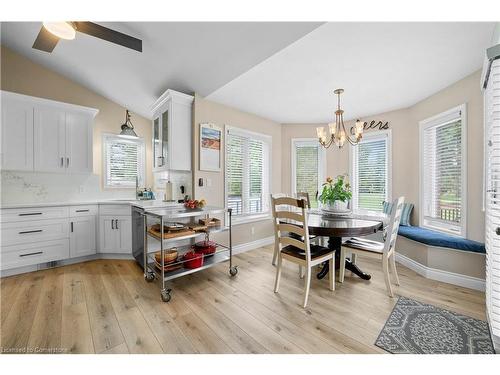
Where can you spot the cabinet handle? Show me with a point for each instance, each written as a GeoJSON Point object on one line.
{"type": "Point", "coordinates": [116, 224]}
{"type": "Point", "coordinates": [62, 162]}
{"type": "Point", "coordinates": [71, 227]}
{"type": "Point", "coordinates": [112, 221]}
{"type": "Point", "coordinates": [82, 210]}
{"type": "Point", "coordinates": [67, 162]}
{"type": "Point", "coordinates": [31, 214]}
{"type": "Point", "coordinates": [31, 231]}
{"type": "Point", "coordinates": [30, 254]}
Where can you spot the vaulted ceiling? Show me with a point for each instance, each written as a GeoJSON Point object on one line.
{"type": "Point", "coordinates": [282, 71]}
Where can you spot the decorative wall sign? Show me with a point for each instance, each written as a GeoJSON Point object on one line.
{"type": "Point", "coordinates": [372, 125]}
{"type": "Point", "coordinates": [210, 145]}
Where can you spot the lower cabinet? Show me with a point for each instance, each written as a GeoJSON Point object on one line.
{"type": "Point", "coordinates": [29, 254]}
{"type": "Point", "coordinates": [115, 234]}
{"type": "Point", "coordinates": [82, 238]}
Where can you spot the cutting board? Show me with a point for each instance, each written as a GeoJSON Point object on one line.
{"type": "Point", "coordinates": [173, 234]}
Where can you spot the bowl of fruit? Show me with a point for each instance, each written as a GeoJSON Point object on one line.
{"type": "Point", "coordinates": [195, 204]}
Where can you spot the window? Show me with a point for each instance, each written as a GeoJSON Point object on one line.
{"type": "Point", "coordinates": [247, 172]}
{"type": "Point", "coordinates": [370, 174]}
{"type": "Point", "coordinates": [123, 161]}
{"type": "Point", "coordinates": [443, 172]}
{"type": "Point", "coordinates": [308, 167]}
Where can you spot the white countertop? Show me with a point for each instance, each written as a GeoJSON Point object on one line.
{"type": "Point", "coordinates": [142, 204]}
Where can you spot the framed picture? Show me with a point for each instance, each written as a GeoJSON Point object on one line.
{"type": "Point", "coordinates": [210, 145]}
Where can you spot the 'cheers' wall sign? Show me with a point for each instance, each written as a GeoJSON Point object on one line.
{"type": "Point", "coordinates": [373, 125]}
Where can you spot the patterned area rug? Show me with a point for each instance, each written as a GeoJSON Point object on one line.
{"type": "Point", "coordinates": [417, 328]}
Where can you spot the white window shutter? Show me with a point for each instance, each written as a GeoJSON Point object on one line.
{"type": "Point", "coordinates": [308, 168]}
{"type": "Point", "coordinates": [124, 161]}
{"type": "Point", "coordinates": [247, 172]}
{"type": "Point", "coordinates": [370, 173]}
{"type": "Point", "coordinates": [443, 173]}
{"type": "Point", "coordinates": [492, 117]}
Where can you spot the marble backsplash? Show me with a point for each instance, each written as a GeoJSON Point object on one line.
{"type": "Point", "coordinates": [28, 187]}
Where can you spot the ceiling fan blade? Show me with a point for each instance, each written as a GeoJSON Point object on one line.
{"type": "Point", "coordinates": [110, 35]}
{"type": "Point", "coordinates": [45, 41]}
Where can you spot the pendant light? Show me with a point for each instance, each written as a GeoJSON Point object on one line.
{"type": "Point", "coordinates": [127, 127]}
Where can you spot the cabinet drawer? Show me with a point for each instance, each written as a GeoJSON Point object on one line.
{"type": "Point", "coordinates": [115, 209]}
{"type": "Point", "coordinates": [10, 215]}
{"type": "Point", "coordinates": [76, 211]}
{"type": "Point", "coordinates": [34, 253]}
{"type": "Point", "coordinates": [34, 231]}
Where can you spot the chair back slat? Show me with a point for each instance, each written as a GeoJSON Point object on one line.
{"type": "Point", "coordinates": [392, 228]}
{"type": "Point", "coordinates": [299, 231]}
{"type": "Point", "coordinates": [290, 216]}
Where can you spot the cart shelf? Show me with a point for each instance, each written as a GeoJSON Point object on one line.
{"type": "Point", "coordinates": [209, 230]}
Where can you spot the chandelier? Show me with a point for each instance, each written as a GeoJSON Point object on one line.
{"type": "Point", "coordinates": [338, 133]}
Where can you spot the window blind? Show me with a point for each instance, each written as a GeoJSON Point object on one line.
{"type": "Point", "coordinates": [492, 239]}
{"type": "Point", "coordinates": [443, 173]}
{"type": "Point", "coordinates": [370, 177]}
{"type": "Point", "coordinates": [307, 169]}
{"type": "Point", "coordinates": [124, 160]}
{"type": "Point", "coordinates": [247, 172]}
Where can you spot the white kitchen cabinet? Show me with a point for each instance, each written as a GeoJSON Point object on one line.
{"type": "Point", "coordinates": [17, 134]}
{"type": "Point", "coordinates": [46, 136]}
{"type": "Point", "coordinates": [82, 239]}
{"type": "Point", "coordinates": [50, 139]}
{"type": "Point", "coordinates": [172, 132]}
{"type": "Point", "coordinates": [115, 234]}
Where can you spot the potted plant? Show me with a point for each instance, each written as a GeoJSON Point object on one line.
{"type": "Point", "coordinates": [336, 194]}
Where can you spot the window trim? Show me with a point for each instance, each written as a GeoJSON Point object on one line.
{"type": "Point", "coordinates": [372, 136]}
{"type": "Point", "coordinates": [265, 215]}
{"type": "Point", "coordinates": [321, 164]}
{"type": "Point", "coordinates": [142, 162]}
{"type": "Point", "coordinates": [435, 121]}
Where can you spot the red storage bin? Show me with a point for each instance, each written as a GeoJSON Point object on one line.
{"type": "Point", "coordinates": [193, 259]}
{"type": "Point", "coordinates": [205, 247]}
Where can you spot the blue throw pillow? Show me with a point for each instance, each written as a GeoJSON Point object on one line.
{"type": "Point", "coordinates": [405, 214]}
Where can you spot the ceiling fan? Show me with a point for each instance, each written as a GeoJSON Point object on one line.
{"type": "Point", "coordinates": [51, 32]}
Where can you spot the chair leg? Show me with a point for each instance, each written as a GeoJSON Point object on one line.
{"type": "Point", "coordinates": [278, 274]}
{"type": "Point", "coordinates": [275, 254]}
{"type": "Point", "coordinates": [342, 265]}
{"type": "Point", "coordinates": [385, 269]}
{"type": "Point", "coordinates": [301, 272]}
{"type": "Point", "coordinates": [307, 285]}
{"type": "Point", "coordinates": [393, 266]}
{"type": "Point", "coordinates": [353, 258]}
{"type": "Point", "coordinates": [331, 264]}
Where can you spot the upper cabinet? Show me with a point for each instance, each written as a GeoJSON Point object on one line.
{"type": "Point", "coordinates": [45, 136]}
{"type": "Point", "coordinates": [172, 141]}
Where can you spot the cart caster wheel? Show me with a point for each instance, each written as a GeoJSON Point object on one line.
{"type": "Point", "coordinates": [165, 295]}
{"type": "Point", "coordinates": [233, 271]}
{"type": "Point", "coordinates": [149, 277]}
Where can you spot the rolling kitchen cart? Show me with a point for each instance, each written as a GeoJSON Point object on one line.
{"type": "Point", "coordinates": [169, 271]}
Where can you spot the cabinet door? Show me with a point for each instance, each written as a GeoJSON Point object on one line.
{"type": "Point", "coordinates": [17, 135]}
{"type": "Point", "coordinates": [49, 139]}
{"type": "Point", "coordinates": [180, 136]}
{"type": "Point", "coordinates": [164, 138]}
{"type": "Point", "coordinates": [82, 236]}
{"type": "Point", "coordinates": [124, 235]}
{"type": "Point", "coordinates": [78, 143]}
{"type": "Point", "coordinates": [107, 235]}
{"type": "Point", "coordinates": [157, 154]}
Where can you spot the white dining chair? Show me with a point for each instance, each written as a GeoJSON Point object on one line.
{"type": "Point", "coordinates": [382, 250]}
{"type": "Point", "coordinates": [298, 249]}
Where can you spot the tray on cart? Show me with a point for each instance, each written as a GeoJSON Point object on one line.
{"type": "Point", "coordinates": [170, 234]}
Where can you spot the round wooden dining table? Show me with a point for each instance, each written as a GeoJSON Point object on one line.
{"type": "Point", "coordinates": [336, 227]}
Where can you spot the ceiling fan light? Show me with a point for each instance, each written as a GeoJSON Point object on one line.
{"type": "Point", "coordinates": [63, 30]}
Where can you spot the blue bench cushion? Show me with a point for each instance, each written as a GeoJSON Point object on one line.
{"type": "Point", "coordinates": [432, 238]}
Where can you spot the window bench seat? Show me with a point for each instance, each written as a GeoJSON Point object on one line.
{"type": "Point", "coordinates": [438, 239]}
{"type": "Point", "coordinates": [442, 257]}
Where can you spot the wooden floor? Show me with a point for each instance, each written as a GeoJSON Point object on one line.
{"type": "Point", "coordinates": [105, 306]}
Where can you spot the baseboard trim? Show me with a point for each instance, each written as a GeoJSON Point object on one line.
{"type": "Point", "coordinates": [441, 275]}
{"type": "Point", "coordinates": [238, 249]}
